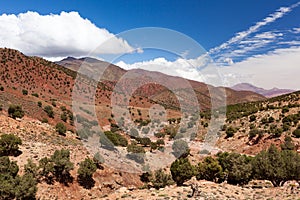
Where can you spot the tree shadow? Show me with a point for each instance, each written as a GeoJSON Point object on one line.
{"type": "Point", "coordinates": [86, 182]}
{"type": "Point", "coordinates": [65, 179]}
{"type": "Point", "coordinates": [14, 153]}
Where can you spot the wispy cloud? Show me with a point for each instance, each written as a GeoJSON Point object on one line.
{"type": "Point", "coordinates": [296, 30]}
{"type": "Point", "coordinates": [243, 34]}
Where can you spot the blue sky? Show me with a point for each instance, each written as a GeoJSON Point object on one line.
{"type": "Point", "coordinates": [213, 24]}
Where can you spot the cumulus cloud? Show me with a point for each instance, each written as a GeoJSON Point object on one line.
{"type": "Point", "coordinates": [57, 35]}
{"type": "Point", "coordinates": [200, 69]}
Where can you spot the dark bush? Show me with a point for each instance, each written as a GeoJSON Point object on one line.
{"type": "Point", "coordinates": [61, 128]}
{"type": "Point", "coordinates": [49, 111]}
{"type": "Point", "coordinates": [15, 111]}
{"type": "Point", "coordinates": [9, 144]}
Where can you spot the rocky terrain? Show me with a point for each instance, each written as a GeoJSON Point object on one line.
{"type": "Point", "coordinates": [46, 121]}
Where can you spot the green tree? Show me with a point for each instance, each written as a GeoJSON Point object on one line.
{"type": "Point", "coordinates": [46, 169]}
{"type": "Point", "coordinates": [237, 169]}
{"type": "Point", "coordinates": [26, 187]}
{"type": "Point", "coordinates": [15, 111]}
{"type": "Point", "coordinates": [9, 144]}
{"type": "Point", "coordinates": [7, 167]}
{"type": "Point", "coordinates": [209, 169]}
{"type": "Point", "coordinates": [31, 168]}
{"type": "Point", "coordinates": [85, 173]}
{"type": "Point", "coordinates": [160, 179]}
{"type": "Point", "coordinates": [252, 118]}
{"type": "Point", "coordinates": [116, 138]}
{"type": "Point", "coordinates": [268, 165]}
{"type": "Point", "coordinates": [181, 170]}
{"type": "Point", "coordinates": [8, 175]}
{"type": "Point", "coordinates": [39, 104]}
{"type": "Point", "coordinates": [62, 165]}
{"type": "Point", "coordinates": [7, 187]}
{"type": "Point", "coordinates": [61, 128]}
{"type": "Point", "coordinates": [291, 166]}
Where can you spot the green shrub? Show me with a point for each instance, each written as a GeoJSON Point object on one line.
{"type": "Point", "coordinates": [296, 133]}
{"type": "Point", "coordinates": [24, 92]}
{"type": "Point", "coordinates": [116, 138]}
{"type": "Point", "coordinates": [49, 111]}
{"type": "Point", "coordinates": [133, 148]}
{"type": "Point", "coordinates": [160, 179]}
{"type": "Point", "coordinates": [64, 117]}
{"type": "Point", "coordinates": [39, 104]}
{"type": "Point", "coordinates": [288, 144]}
{"type": "Point", "coordinates": [61, 128]}
{"type": "Point", "coordinates": [35, 94]}
{"type": "Point", "coordinates": [144, 141]}
{"type": "Point", "coordinates": [230, 132]}
{"type": "Point", "coordinates": [44, 120]}
{"type": "Point", "coordinates": [15, 111]}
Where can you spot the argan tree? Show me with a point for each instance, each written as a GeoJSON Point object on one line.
{"type": "Point", "coordinates": [85, 173]}
{"type": "Point", "coordinates": [181, 170]}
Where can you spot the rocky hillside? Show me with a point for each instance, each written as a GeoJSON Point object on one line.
{"type": "Point", "coordinates": [135, 156]}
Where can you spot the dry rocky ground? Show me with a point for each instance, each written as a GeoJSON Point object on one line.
{"type": "Point", "coordinates": [40, 140]}
{"type": "Point", "coordinates": [211, 191]}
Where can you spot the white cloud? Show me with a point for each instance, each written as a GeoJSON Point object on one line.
{"type": "Point", "coordinates": [268, 35]}
{"type": "Point", "coordinates": [279, 68]}
{"type": "Point", "coordinates": [57, 35]}
{"type": "Point", "coordinates": [243, 34]}
{"type": "Point", "coordinates": [296, 30]}
{"type": "Point", "coordinates": [186, 68]}
{"type": "Point", "coordinates": [291, 43]}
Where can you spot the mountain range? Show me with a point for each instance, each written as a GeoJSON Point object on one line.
{"type": "Point", "coordinates": [265, 92]}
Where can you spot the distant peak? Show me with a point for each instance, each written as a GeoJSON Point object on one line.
{"type": "Point", "coordinates": [69, 58]}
